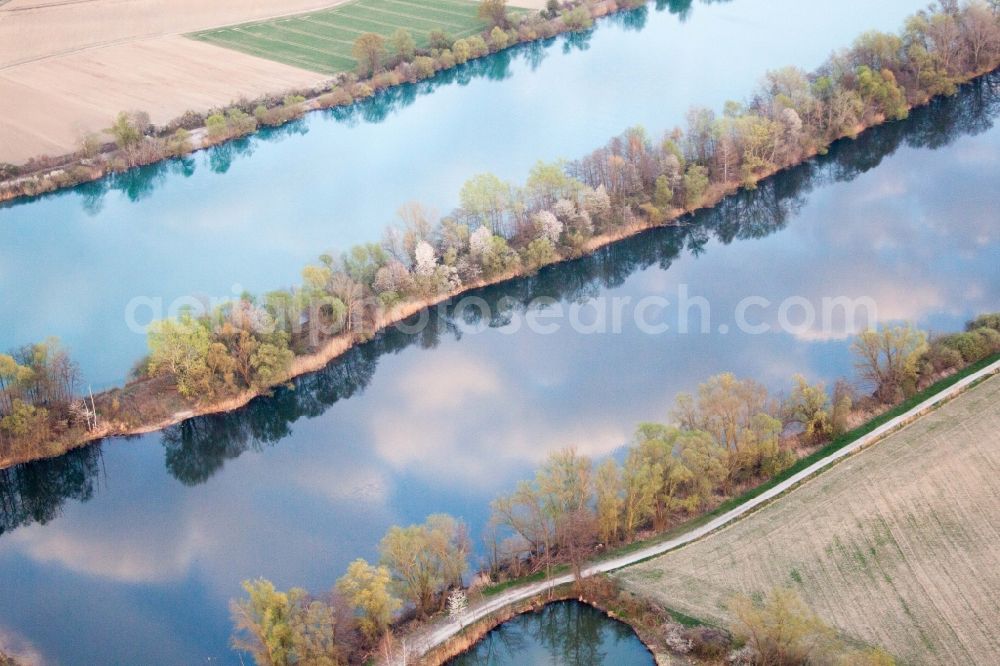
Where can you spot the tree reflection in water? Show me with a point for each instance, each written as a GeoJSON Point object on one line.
{"type": "Point", "coordinates": [198, 448]}
{"type": "Point", "coordinates": [565, 633]}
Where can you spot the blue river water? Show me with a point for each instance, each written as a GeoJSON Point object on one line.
{"type": "Point", "coordinates": [129, 551]}
{"type": "Point", "coordinates": [250, 215]}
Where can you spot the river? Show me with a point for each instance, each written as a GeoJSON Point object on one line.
{"type": "Point", "coordinates": [251, 214]}
{"type": "Point", "coordinates": [129, 551]}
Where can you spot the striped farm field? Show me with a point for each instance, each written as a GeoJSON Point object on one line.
{"type": "Point", "coordinates": [896, 546]}
{"type": "Point", "coordinates": [322, 41]}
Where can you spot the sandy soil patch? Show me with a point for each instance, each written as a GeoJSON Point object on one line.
{"type": "Point", "coordinates": [32, 29]}
{"type": "Point", "coordinates": [528, 4]}
{"type": "Point", "coordinates": [165, 76]}
{"type": "Point", "coordinates": [898, 546]}
{"type": "Point", "coordinates": [68, 66]}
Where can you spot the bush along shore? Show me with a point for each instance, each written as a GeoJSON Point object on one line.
{"type": "Point", "coordinates": [219, 360]}
{"type": "Point", "coordinates": [725, 444]}
{"type": "Point", "coordinates": [381, 64]}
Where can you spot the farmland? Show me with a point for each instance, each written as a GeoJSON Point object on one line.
{"type": "Point", "coordinates": [83, 62]}
{"type": "Point", "coordinates": [322, 41]}
{"type": "Point", "coordinates": [896, 546]}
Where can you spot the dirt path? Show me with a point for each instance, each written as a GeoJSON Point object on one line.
{"type": "Point", "coordinates": [439, 632]}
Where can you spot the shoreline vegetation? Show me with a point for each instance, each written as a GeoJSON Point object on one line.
{"type": "Point", "coordinates": [383, 63]}
{"type": "Point", "coordinates": [731, 442]}
{"type": "Point", "coordinates": [219, 360]}
{"type": "Point", "coordinates": [601, 593]}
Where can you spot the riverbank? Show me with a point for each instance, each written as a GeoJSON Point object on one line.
{"type": "Point", "coordinates": [152, 404]}
{"type": "Point", "coordinates": [904, 528]}
{"type": "Point", "coordinates": [210, 363]}
{"type": "Point", "coordinates": [601, 593]}
{"type": "Point", "coordinates": [427, 639]}
{"type": "Point", "coordinates": [302, 92]}
{"type": "Point", "coordinates": [83, 62]}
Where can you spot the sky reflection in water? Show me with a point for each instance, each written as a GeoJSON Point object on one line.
{"type": "Point", "coordinates": [129, 552]}
{"type": "Point", "coordinates": [297, 485]}
{"type": "Point", "coordinates": [250, 214]}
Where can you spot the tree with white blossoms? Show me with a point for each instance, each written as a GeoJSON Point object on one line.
{"type": "Point", "coordinates": [564, 209]}
{"type": "Point", "coordinates": [598, 203]}
{"type": "Point", "coordinates": [548, 226]}
{"type": "Point", "coordinates": [479, 242]}
{"type": "Point", "coordinates": [423, 255]}
{"type": "Point", "coordinates": [458, 604]}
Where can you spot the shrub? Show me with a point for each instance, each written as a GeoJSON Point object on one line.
{"type": "Point", "coordinates": [216, 126]}
{"type": "Point", "coordinates": [707, 642]}
{"type": "Point", "coordinates": [424, 66]}
{"type": "Point", "coordinates": [189, 120]}
{"type": "Point", "coordinates": [385, 80]}
{"type": "Point", "coordinates": [526, 33]}
{"type": "Point", "coordinates": [336, 97]}
{"type": "Point", "coordinates": [90, 145]}
{"type": "Point", "coordinates": [362, 91]}
{"type": "Point", "coordinates": [939, 358]}
{"type": "Point", "coordinates": [462, 51]}
{"type": "Point", "coordinates": [403, 46]}
{"type": "Point", "coordinates": [477, 46]}
{"type": "Point", "coordinates": [539, 253]}
{"type": "Point", "coordinates": [991, 320]}
{"type": "Point", "coordinates": [439, 39]}
{"type": "Point", "coordinates": [494, 11]}
{"type": "Point", "coordinates": [498, 258]}
{"type": "Point", "coordinates": [498, 39]}
{"type": "Point", "coordinates": [127, 130]}
{"type": "Point", "coordinates": [179, 143]}
{"type": "Point", "coordinates": [446, 60]}
{"type": "Point", "coordinates": [578, 18]}
{"type": "Point", "coordinates": [972, 345]}
{"type": "Point", "coordinates": [240, 122]}
{"type": "Point", "coordinates": [654, 214]}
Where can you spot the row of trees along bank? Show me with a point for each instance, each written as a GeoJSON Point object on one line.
{"type": "Point", "coordinates": [938, 48]}
{"type": "Point", "coordinates": [382, 63]}
{"type": "Point", "coordinates": [728, 437]}
{"type": "Point", "coordinates": [563, 210]}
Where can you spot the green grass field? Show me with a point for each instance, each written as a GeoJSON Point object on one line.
{"type": "Point", "coordinates": [322, 41]}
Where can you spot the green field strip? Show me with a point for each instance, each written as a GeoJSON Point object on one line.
{"type": "Point", "coordinates": [456, 23]}
{"type": "Point", "coordinates": [280, 35]}
{"type": "Point", "coordinates": [303, 29]}
{"type": "Point", "coordinates": [280, 55]}
{"type": "Point", "coordinates": [344, 28]}
{"type": "Point", "coordinates": [370, 25]}
{"type": "Point", "coordinates": [323, 41]}
{"type": "Point", "coordinates": [335, 31]}
{"type": "Point", "coordinates": [270, 53]}
{"type": "Point", "coordinates": [385, 17]}
{"type": "Point", "coordinates": [400, 4]}
{"type": "Point", "coordinates": [297, 50]}
{"type": "Point", "coordinates": [468, 8]}
{"type": "Point", "coordinates": [416, 14]}
{"type": "Point", "coordinates": [458, 4]}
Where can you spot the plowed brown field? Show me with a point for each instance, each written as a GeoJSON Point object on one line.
{"type": "Point", "coordinates": [898, 546]}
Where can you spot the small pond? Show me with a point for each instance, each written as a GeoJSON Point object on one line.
{"type": "Point", "coordinates": [564, 633]}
